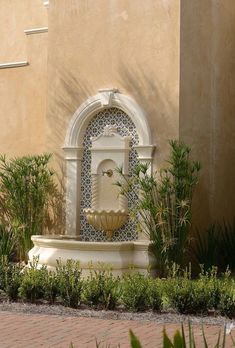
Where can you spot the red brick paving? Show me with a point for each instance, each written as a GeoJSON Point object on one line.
{"type": "Point", "coordinates": [18, 330]}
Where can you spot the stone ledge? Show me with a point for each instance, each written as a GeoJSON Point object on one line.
{"type": "Point", "coordinates": [14, 64]}
{"type": "Point", "coordinates": [36, 31]}
{"type": "Point", "coordinates": [118, 256]}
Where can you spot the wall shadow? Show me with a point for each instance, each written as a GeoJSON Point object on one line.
{"type": "Point", "coordinates": [207, 102]}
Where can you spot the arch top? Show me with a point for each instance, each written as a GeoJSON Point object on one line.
{"type": "Point", "coordinates": [106, 98]}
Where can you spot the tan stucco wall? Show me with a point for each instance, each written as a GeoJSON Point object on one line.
{"type": "Point", "coordinates": [207, 102]}
{"type": "Point", "coordinates": [125, 44]}
{"type": "Point", "coordinates": [22, 90]}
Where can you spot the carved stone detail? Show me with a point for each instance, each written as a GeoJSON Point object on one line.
{"type": "Point", "coordinates": [110, 130]}
{"type": "Point", "coordinates": [46, 3]}
{"type": "Point", "coordinates": [107, 96]}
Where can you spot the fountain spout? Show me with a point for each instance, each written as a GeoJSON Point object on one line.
{"type": "Point", "coordinates": [108, 172]}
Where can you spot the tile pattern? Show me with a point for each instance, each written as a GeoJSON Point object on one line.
{"type": "Point", "coordinates": [111, 116]}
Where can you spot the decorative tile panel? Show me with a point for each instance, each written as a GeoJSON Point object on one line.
{"type": "Point", "coordinates": [125, 127]}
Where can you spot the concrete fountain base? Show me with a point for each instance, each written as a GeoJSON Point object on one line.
{"type": "Point", "coordinates": [119, 256]}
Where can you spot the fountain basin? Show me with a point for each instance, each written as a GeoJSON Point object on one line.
{"type": "Point", "coordinates": [119, 256]}
{"type": "Point", "coordinates": [106, 220]}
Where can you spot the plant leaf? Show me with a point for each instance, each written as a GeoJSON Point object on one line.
{"type": "Point", "coordinates": [135, 343]}
{"type": "Point", "coordinates": [166, 341]}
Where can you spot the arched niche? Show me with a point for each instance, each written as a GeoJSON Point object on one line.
{"type": "Point", "coordinates": [73, 147]}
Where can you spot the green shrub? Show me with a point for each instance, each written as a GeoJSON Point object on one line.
{"type": "Point", "coordinates": [155, 294]}
{"type": "Point", "coordinates": [111, 291]}
{"type": "Point", "coordinates": [190, 296]}
{"type": "Point", "coordinates": [32, 287]}
{"type": "Point", "coordinates": [69, 282]}
{"type": "Point", "coordinates": [101, 288]}
{"type": "Point", "coordinates": [181, 296]}
{"type": "Point", "coordinates": [162, 204]}
{"type": "Point", "coordinates": [51, 287]}
{"type": "Point", "coordinates": [211, 285]}
{"type": "Point", "coordinates": [226, 303]}
{"type": "Point", "coordinates": [135, 287]}
{"type": "Point", "coordinates": [10, 277]}
{"type": "Point", "coordinates": [13, 280]}
{"type": "Point", "coordinates": [198, 295]}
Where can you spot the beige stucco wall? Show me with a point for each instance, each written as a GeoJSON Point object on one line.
{"type": "Point", "coordinates": [22, 90]}
{"type": "Point", "coordinates": [207, 102]}
{"type": "Point", "coordinates": [125, 44]}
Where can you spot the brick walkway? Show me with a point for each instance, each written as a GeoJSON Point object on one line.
{"type": "Point", "coordinates": [35, 330]}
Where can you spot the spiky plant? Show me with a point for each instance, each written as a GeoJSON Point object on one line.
{"type": "Point", "coordinates": [180, 340]}
{"type": "Point", "coordinates": [215, 246]}
{"type": "Point", "coordinates": [163, 203]}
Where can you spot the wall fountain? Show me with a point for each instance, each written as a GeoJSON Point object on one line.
{"type": "Point", "coordinates": [108, 210]}
{"type": "Point", "coordinates": [111, 123]}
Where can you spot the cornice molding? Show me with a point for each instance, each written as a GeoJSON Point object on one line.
{"type": "Point", "coordinates": [14, 64]}
{"type": "Point", "coordinates": [36, 31]}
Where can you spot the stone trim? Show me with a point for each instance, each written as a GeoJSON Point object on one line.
{"type": "Point", "coordinates": [106, 98]}
{"type": "Point", "coordinates": [14, 64]}
{"type": "Point", "coordinates": [119, 256]}
{"type": "Point", "coordinates": [36, 31]}
{"type": "Point", "coordinates": [46, 3]}
{"type": "Point", "coordinates": [49, 242]}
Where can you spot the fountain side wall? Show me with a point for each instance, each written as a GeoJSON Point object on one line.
{"type": "Point", "coordinates": [119, 256]}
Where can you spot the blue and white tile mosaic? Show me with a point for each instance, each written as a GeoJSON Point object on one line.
{"type": "Point", "coordinates": [111, 116]}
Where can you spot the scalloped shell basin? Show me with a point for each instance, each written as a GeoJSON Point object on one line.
{"type": "Point", "coordinates": [106, 220]}
{"type": "Point", "coordinates": [119, 256]}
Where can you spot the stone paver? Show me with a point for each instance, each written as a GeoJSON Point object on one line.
{"type": "Point", "coordinates": [18, 330]}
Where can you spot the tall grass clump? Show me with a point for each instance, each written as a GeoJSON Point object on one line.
{"type": "Point", "coordinates": [8, 242]}
{"type": "Point", "coordinates": [163, 203]}
{"type": "Point", "coordinates": [26, 188]}
{"type": "Point", "coordinates": [215, 246]}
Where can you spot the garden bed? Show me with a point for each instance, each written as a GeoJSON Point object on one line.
{"type": "Point", "coordinates": [133, 292]}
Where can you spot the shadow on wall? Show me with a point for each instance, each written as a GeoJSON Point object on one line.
{"type": "Point", "coordinates": [159, 105]}
{"type": "Point", "coordinates": [65, 97]}
{"type": "Point", "coordinates": [207, 102]}
{"type": "Point", "coordinates": [69, 93]}
{"type": "Point", "coordinates": [163, 115]}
